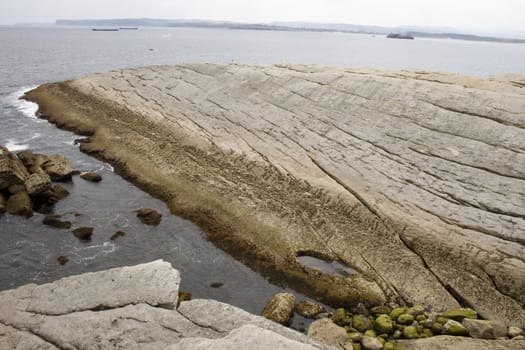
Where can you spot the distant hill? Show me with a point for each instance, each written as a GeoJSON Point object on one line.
{"type": "Point", "coordinates": [422, 32]}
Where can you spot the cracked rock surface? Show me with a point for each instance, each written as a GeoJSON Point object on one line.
{"type": "Point", "coordinates": [414, 179]}
{"type": "Point", "coordinates": [131, 308]}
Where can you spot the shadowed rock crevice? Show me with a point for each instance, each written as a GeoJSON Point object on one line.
{"type": "Point", "coordinates": [271, 160]}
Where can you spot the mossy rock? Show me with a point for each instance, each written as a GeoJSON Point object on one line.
{"type": "Point", "coordinates": [420, 318]}
{"type": "Point", "coordinates": [357, 346]}
{"type": "Point", "coordinates": [405, 319]}
{"type": "Point", "coordinates": [410, 332]}
{"type": "Point", "coordinates": [361, 323]}
{"type": "Point", "coordinates": [370, 333]}
{"type": "Point", "coordinates": [428, 332]}
{"type": "Point", "coordinates": [437, 327]}
{"type": "Point", "coordinates": [339, 316]}
{"type": "Point", "coordinates": [379, 310]}
{"type": "Point", "coordinates": [442, 320]}
{"type": "Point", "coordinates": [383, 324]}
{"type": "Point", "coordinates": [454, 328]}
{"type": "Point", "coordinates": [389, 346]}
{"type": "Point", "coordinates": [460, 314]}
{"type": "Point", "coordinates": [416, 310]}
{"type": "Point", "coordinates": [381, 340]}
{"type": "Point", "coordinates": [395, 313]}
{"type": "Point", "coordinates": [355, 336]}
{"type": "Point", "coordinates": [397, 334]}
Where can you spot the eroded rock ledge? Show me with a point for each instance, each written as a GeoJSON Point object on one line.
{"type": "Point", "coordinates": [414, 179]}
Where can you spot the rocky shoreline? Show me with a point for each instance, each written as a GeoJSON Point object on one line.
{"type": "Point", "coordinates": [281, 161]}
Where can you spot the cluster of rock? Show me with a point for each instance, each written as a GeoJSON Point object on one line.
{"type": "Point", "coordinates": [28, 184]}
{"type": "Point", "coordinates": [383, 328]}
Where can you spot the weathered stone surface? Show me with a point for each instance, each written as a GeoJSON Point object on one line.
{"type": "Point", "coordinates": [327, 332]}
{"type": "Point", "coordinates": [12, 171]}
{"type": "Point", "coordinates": [454, 328]}
{"type": "Point", "coordinates": [149, 216]}
{"type": "Point", "coordinates": [308, 308]}
{"type": "Point", "coordinates": [514, 332]}
{"type": "Point", "coordinates": [461, 343]}
{"type": "Point", "coordinates": [484, 329]}
{"type": "Point", "coordinates": [371, 343]}
{"type": "Point", "coordinates": [20, 204]}
{"type": "Point", "coordinates": [55, 165]}
{"type": "Point", "coordinates": [280, 308]}
{"type": "Point", "coordinates": [37, 183]}
{"type": "Point", "coordinates": [413, 178]}
{"type": "Point", "coordinates": [92, 177]}
{"type": "Point", "coordinates": [59, 192]}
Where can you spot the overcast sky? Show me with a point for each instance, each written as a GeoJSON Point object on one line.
{"type": "Point", "coordinates": [496, 16]}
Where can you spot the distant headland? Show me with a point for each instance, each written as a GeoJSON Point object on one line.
{"type": "Point", "coordinates": [439, 33]}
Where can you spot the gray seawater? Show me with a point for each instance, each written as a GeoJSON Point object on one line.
{"type": "Point", "coordinates": [31, 56]}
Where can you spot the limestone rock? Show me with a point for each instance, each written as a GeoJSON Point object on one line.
{"type": "Point", "coordinates": [308, 309]}
{"type": "Point", "coordinates": [83, 233]}
{"type": "Point", "coordinates": [149, 216]}
{"type": "Point", "coordinates": [371, 343]}
{"type": "Point", "coordinates": [514, 332]}
{"type": "Point", "coordinates": [91, 177]}
{"type": "Point", "coordinates": [454, 328]}
{"type": "Point", "coordinates": [12, 171]}
{"type": "Point", "coordinates": [327, 332]}
{"type": "Point", "coordinates": [280, 308]}
{"type": "Point", "coordinates": [37, 183]}
{"type": "Point", "coordinates": [484, 329]}
{"type": "Point", "coordinates": [20, 204]}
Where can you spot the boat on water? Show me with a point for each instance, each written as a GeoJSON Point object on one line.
{"type": "Point", "coordinates": [105, 29]}
{"type": "Point", "coordinates": [400, 36]}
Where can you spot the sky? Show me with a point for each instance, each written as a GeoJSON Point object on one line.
{"type": "Point", "coordinates": [481, 16]}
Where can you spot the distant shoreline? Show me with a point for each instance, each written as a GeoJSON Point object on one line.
{"type": "Point", "coordinates": [288, 27]}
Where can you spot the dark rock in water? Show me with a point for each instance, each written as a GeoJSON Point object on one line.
{"type": "Point", "coordinates": [60, 192]}
{"type": "Point", "coordinates": [82, 140]}
{"type": "Point", "coordinates": [20, 204]}
{"type": "Point", "coordinates": [308, 309]}
{"type": "Point", "coordinates": [117, 235]}
{"type": "Point", "coordinates": [16, 188]}
{"type": "Point", "coordinates": [216, 284]}
{"type": "Point", "coordinates": [149, 216]}
{"type": "Point", "coordinates": [92, 177]}
{"type": "Point", "coordinates": [46, 198]}
{"type": "Point", "coordinates": [62, 260]}
{"type": "Point", "coordinates": [183, 296]}
{"type": "Point", "coordinates": [12, 170]}
{"type": "Point", "coordinates": [37, 183]}
{"type": "Point", "coordinates": [76, 172]}
{"type": "Point", "coordinates": [54, 220]}
{"type": "Point", "coordinates": [3, 203]}
{"type": "Point", "coordinates": [280, 308]}
{"type": "Point", "coordinates": [83, 233]}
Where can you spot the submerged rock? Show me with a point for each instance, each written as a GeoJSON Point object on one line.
{"type": "Point", "coordinates": [308, 309]}
{"type": "Point", "coordinates": [54, 220]}
{"type": "Point", "coordinates": [149, 216]}
{"type": "Point", "coordinates": [280, 308]}
{"type": "Point", "coordinates": [83, 233]}
{"type": "Point", "coordinates": [117, 234]}
{"type": "Point", "coordinates": [62, 260]}
{"type": "Point", "coordinates": [91, 177]}
{"type": "Point", "coordinates": [20, 204]}
{"type": "Point", "coordinates": [327, 332]}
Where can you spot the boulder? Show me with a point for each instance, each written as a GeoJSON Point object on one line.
{"type": "Point", "coordinates": [149, 216]}
{"type": "Point", "coordinates": [83, 233]}
{"type": "Point", "coordinates": [339, 317]}
{"type": "Point", "coordinates": [484, 329]}
{"type": "Point", "coordinates": [12, 171]}
{"type": "Point", "coordinates": [308, 309]}
{"type": "Point", "coordinates": [396, 312]}
{"type": "Point", "coordinates": [454, 328]}
{"type": "Point", "coordinates": [515, 332]}
{"type": "Point", "coordinates": [16, 188]}
{"type": "Point", "coordinates": [371, 343]}
{"type": "Point", "coordinates": [3, 203]}
{"type": "Point", "coordinates": [29, 160]}
{"type": "Point", "coordinates": [56, 166]}
{"type": "Point", "coordinates": [20, 204]}
{"type": "Point", "coordinates": [280, 308]}
{"type": "Point", "coordinates": [59, 192]}
{"type": "Point", "coordinates": [54, 220]}
{"type": "Point", "coordinates": [37, 183]}
{"type": "Point", "coordinates": [410, 332]}
{"type": "Point", "coordinates": [361, 323]}
{"type": "Point", "coordinates": [460, 314]}
{"type": "Point", "coordinates": [327, 332]}
{"type": "Point", "coordinates": [405, 319]}
{"type": "Point", "coordinates": [91, 177]}
{"type": "Point", "coordinates": [383, 325]}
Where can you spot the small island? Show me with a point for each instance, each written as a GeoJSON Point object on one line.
{"type": "Point", "coordinates": [400, 36]}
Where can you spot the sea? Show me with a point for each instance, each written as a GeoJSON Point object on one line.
{"type": "Point", "coordinates": [30, 56]}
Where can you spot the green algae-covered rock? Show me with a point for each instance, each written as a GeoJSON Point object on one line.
{"type": "Point", "coordinates": [420, 318]}
{"type": "Point", "coordinates": [357, 346]}
{"type": "Point", "coordinates": [339, 316]}
{"type": "Point", "coordinates": [378, 310]}
{"type": "Point", "coordinates": [405, 319]}
{"type": "Point", "coordinates": [454, 328]}
{"type": "Point", "coordinates": [370, 333]}
{"type": "Point", "coordinates": [427, 332]}
{"type": "Point", "coordinates": [460, 314]}
{"type": "Point", "coordinates": [415, 310]}
{"type": "Point", "coordinates": [389, 346]}
{"type": "Point", "coordinates": [410, 332]}
{"type": "Point", "coordinates": [355, 336]}
{"type": "Point", "coordinates": [437, 327]}
{"type": "Point", "coordinates": [383, 324]}
{"type": "Point", "coordinates": [361, 323]}
{"type": "Point", "coordinates": [442, 320]}
{"type": "Point", "coordinates": [397, 334]}
{"type": "Point", "coordinates": [394, 314]}
{"type": "Point", "coordinates": [381, 340]}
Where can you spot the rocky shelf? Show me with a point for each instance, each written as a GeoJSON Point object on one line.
{"type": "Point", "coordinates": [416, 180]}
